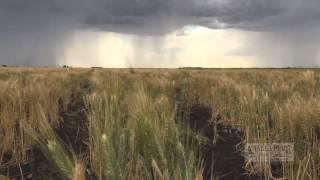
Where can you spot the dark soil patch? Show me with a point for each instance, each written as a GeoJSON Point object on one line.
{"type": "Point", "coordinates": [73, 132]}
{"type": "Point", "coordinates": [73, 128]}
{"type": "Point", "coordinates": [16, 171]}
{"type": "Point", "coordinates": [221, 156]}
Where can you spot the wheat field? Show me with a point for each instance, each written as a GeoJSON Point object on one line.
{"type": "Point", "coordinates": [73, 123]}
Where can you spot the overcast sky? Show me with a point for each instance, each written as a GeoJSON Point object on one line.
{"type": "Point", "coordinates": [160, 33]}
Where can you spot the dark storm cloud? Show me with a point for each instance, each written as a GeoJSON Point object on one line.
{"type": "Point", "coordinates": [149, 16]}
{"type": "Point", "coordinates": [35, 31]}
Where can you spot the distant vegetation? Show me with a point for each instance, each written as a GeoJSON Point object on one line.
{"type": "Point", "coordinates": [115, 124]}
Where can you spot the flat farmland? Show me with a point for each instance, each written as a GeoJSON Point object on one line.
{"type": "Point", "coordinates": [95, 123]}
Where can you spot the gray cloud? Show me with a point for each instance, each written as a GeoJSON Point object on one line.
{"type": "Point", "coordinates": [34, 32]}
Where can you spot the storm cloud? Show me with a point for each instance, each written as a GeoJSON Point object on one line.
{"type": "Point", "coordinates": [34, 32]}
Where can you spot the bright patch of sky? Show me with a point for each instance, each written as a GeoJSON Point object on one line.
{"type": "Point", "coordinates": [190, 46]}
